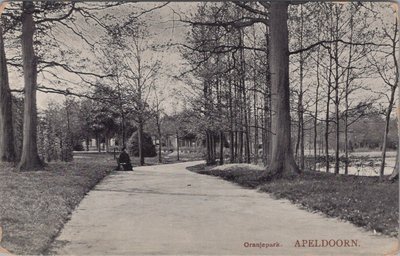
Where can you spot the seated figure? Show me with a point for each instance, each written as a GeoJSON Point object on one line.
{"type": "Point", "coordinates": [124, 161]}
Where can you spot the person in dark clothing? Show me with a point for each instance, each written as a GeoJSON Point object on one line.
{"type": "Point", "coordinates": [124, 160]}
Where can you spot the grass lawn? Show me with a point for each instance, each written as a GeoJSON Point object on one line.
{"type": "Point", "coordinates": [364, 201]}
{"type": "Point", "coordinates": [35, 205]}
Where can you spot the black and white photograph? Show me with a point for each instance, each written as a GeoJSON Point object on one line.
{"type": "Point", "coordinates": [199, 128]}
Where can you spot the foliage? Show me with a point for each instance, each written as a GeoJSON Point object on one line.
{"type": "Point", "coordinates": [182, 124]}
{"type": "Point", "coordinates": [149, 150]}
{"type": "Point", "coordinates": [56, 128]}
{"type": "Point", "coordinates": [98, 118]}
{"type": "Point", "coordinates": [367, 133]}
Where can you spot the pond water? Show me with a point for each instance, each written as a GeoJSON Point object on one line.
{"type": "Point", "coordinates": [365, 168]}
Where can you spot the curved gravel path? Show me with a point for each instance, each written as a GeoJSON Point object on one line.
{"type": "Point", "coordinates": [167, 210]}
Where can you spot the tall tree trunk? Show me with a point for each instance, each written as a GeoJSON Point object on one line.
{"type": "Point", "coordinates": [255, 122]}
{"type": "Point", "coordinates": [241, 142]}
{"type": "Point", "coordinates": [98, 143]}
{"type": "Point", "coordinates": [346, 117]}
{"type": "Point", "coordinates": [140, 143]}
{"type": "Point", "coordinates": [386, 132]}
{"type": "Point", "coordinates": [177, 146]}
{"type": "Point", "coordinates": [231, 147]}
{"type": "Point", "coordinates": [231, 135]}
{"type": "Point", "coordinates": [346, 131]}
{"type": "Point", "coordinates": [247, 130]}
{"type": "Point", "coordinates": [30, 158]}
{"type": "Point", "coordinates": [266, 131]}
{"type": "Point", "coordinates": [301, 105]}
{"type": "Point", "coordinates": [316, 109]}
{"type": "Point", "coordinates": [221, 147]}
{"type": "Point", "coordinates": [390, 107]}
{"type": "Point", "coordinates": [159, 141]}
{"type": "Point", "coordinates": [337, 130]}
{"type": "Point", "coordinates": [7, 149]}
{"type": "Point", "coordinates": [62, 149]}
{"type": "Point", "coordinates": [214, 148]}
{"type": "Point", "coordinates": [296, 149]}
{"type": "Point", "coordinates": [255, 110]}
{"type": "Point", "coordinates": [236, 146]}
{"type": "Point", "coordinates": [302, 141]}
{"type": "Point", "coordinates": [246, 140]}
{"type": "Point", "coordinates": [240, 158]}
{"type": "Point", "coordinates": [244, 131]}
{"type": "Point", "coordinates": [282, 160]}
{"type": "Point", "coordinates": [263, 138]}
{"type": "Point", "coordinates": [210, 147]}
{"type": "Point", "coordinates": [327, 161]}
{"type": "Point", "coordinates": [395, 173]}
{"type": "Point", "coordinates": [337, 114]}
{"type": "Point", "coordinates": [121, 110]}
{"type": "Point", "coordinates": [240, 121]}
{"type": "Point", "coordinates": [69, 140]}
{"type": "Point", "coordinates": [123, 130]}
{"type": "Point", "coordinates": [328, 101]}
{"type": "Point", "coordinates": [208, 158]}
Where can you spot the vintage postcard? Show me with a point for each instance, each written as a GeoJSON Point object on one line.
{"type": "Point", "coordinates": [199, 128]}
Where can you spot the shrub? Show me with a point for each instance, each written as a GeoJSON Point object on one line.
{"type": "Point", "coordinates": [78, 147]}
{"type": "Point", "coordinates": [148, 148]}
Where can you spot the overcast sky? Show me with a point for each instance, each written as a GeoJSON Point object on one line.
{"type": "Point", "coordinates": [163, 29]}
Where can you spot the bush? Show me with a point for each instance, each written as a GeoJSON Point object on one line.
{"type": "Point", "coordinates": [78, 147]}
{"type": "Point", "coordinates": [148, 149]}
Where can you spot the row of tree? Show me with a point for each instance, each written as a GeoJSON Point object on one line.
{"type": "Point", "coordinates": [263, 74]}
{"type": "Point", "coordinates": [31, 31]}
{"type": "Point", "coordinates": [240, 55]}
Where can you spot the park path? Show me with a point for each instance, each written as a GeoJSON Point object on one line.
{"type": "Point", "coordinates": [167, 210]}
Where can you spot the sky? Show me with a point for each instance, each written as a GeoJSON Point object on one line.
{"type": "Point", "coordinates": [163, 28]}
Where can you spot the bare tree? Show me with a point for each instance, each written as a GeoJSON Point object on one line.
{"type": "Point", "coordinates": [386, 65]}
{"type": "Point", "coordinates": [140, 80]}
{"type": "Point", "coordinates": [159, 121]}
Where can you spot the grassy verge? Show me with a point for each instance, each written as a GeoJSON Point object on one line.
{"type": "Point", "coordinates": [35, 205]}
{"type": "Point", "coordinates": [363, 201]}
